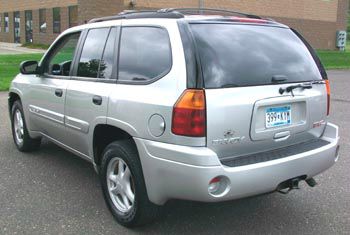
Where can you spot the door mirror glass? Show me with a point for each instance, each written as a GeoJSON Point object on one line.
{"type": "Point", "coordinates": [29, 67]}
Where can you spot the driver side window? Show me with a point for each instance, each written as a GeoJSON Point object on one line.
{"type": "Point", "coordinates": [59, 61]}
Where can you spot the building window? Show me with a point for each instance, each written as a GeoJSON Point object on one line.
{"type": "Point", "coordinates": [17, 23]}
{"type": "Point", "coordinates": [6, 17]}
{"type": "Point", "coordinates": [29, 26]}
{"type": "Point", "coordinates": [56, 16]}
{"type": "Point", "coordinates": [42, 21]}
{"type": "Point", "coordinates": [73, 16]}
{"type": "Point", "coordinates": [0, 22]}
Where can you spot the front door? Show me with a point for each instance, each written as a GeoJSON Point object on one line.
{"type": "Point", "coordinates": [48, 91]}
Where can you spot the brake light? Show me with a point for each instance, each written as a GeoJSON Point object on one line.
{"type": "Point", "coordinates": [249, 20]}
{"type": "Point", "coordinates": [328, 88]}
{"type": "Point", "coordinates": [189, 114]}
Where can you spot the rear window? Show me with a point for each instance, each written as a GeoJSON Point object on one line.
{"type": "Point", "coordinates": [235, 55]}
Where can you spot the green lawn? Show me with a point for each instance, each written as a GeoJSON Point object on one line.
{"type": "Point", "coordinates": [9, 64]}
{"type": "Point", "coordinates": [336, 59]}
{"type": "Point", "coordinates": [9, 67]}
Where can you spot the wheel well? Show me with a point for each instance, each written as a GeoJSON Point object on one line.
{"type": "Point", "coordinates": [12, 98]}
{"type": "Point", "coordinates": [104, 135]}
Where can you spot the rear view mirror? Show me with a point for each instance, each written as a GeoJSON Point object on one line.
{"type": "Point", "coordinates": [29, 67]}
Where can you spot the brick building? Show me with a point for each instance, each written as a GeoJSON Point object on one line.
{"type": "Point", "coordinates": [40, 21]}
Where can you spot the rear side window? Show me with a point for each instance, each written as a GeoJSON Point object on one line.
{"type": "Point", "coordinates": [145, 54]}
{"type": "Point", "coordinates": [107, 62]}
{"type": "Point", "coordinates": [91, 55]}
{"type": "Point", "coordinates": [234, 55]}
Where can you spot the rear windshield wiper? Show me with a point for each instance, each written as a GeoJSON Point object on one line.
{"type": "Point", "coordinates": [279, 78]}
{"type": "Point", "coordinates": [139, 79]}
{"type": "Point", "coordinates": [291, 88]}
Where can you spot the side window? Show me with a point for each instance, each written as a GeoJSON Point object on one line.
{"type": "Point", "coordinates": [60, 58]}
{"type": "Point", "coordinates": [91, 56]}
{"type": "Point", "coordinates": [106, 64]}
{"type": "Point", "coordinates": [145, 53]}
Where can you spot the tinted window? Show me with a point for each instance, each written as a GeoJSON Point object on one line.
{"type": "Point", "coordinates": [245, 55]}
{"type": "Point", "coordinates": [61, 56]}
{"type": "Point", "coordinates": [144, 53]}
{"type": "Point", "coordinates": [17, 28]}
{"type": "Point", "coordinates": [56, 17]}
{"type": "Point", "coordinates": [73, 16]}
{"type": "Point", "coordinates": [106, 65]}
{"type": "Point", "coordinates": [29, 26]}
{"type": "Point", "coordinates": [42, 20]}
{"type": "Point", "coordinates": [6, 24]}
{"type": "Point", "coordinates": [92, 53]}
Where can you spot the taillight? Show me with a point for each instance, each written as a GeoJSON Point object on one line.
{"type": "Point", "coordinates": [328, 88]}
{"type": "Point", "coordinates": [189, 114]}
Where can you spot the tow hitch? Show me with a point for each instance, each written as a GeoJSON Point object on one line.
{"type": "Point", "coordinates": [288, 185]}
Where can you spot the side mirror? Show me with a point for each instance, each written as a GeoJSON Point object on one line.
{"type": "Point", "coordinates": [29, 67]}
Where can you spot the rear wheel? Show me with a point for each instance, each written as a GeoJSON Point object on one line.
{"type": "Point", "coordinates": [23, 141]}
{"type": "Point", "coordinates": [124, 187]}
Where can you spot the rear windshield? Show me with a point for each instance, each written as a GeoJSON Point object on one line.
{"type": "Point", "coordinates": [233, 55]}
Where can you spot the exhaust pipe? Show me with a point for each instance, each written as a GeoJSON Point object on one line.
{"type": "Point", "coordinates": [288, 185]}
{"type": "Point", "coordinates": [311, 182]}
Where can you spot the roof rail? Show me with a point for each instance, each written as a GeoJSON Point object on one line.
{"type": "Point", "coordinates": [202, 10]}
{"type": "Point", "coordinates": [174, 13]}
{"type": "Point", "coordinates": [131, 14]}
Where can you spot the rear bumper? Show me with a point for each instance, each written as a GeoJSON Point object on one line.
{"type": "Point", "coordinates": [180, 172]}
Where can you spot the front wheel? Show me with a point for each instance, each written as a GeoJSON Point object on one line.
{"type": "Point", "coordinates": [124, 187]}
{"type": "Point", "coordinates": [23, 141]}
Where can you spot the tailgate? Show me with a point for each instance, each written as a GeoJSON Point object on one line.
{"type": "Point", "coordinates": [236, 119]}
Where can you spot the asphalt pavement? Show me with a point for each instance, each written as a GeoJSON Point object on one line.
{"type": "Point", "coordinates": [51, 191]}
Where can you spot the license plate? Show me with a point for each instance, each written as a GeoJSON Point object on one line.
{"type": "Point", "coordinates": [278, 116]}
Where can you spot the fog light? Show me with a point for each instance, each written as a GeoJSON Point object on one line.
{"type": "Point", "coordinates": [214, 185]}
{"type": "Point", "coordinates": [218, 186]}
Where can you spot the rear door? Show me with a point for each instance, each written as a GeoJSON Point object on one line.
{"type": "Point", "coordinates": [89, 89]}
{"type": "Point", "coordinates": [246, 70]}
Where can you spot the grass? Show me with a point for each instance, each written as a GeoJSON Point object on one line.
{"type": "Point", "coordinates": [336, 59]}
{"type": "Point", "coordinates": [35, 46]}
{"type": "Point", "coordinates": [9, 64]}
{"type": "Point", "coordinates": [9, 67]}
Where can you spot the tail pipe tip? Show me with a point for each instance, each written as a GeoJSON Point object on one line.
{"type": "Point", "coordinates": [288, 185]}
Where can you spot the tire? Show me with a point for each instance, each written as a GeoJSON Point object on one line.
{"type": "Point", "coordinates": [23, 141]}
{"type": "Point", "coordinates": [142, 211]}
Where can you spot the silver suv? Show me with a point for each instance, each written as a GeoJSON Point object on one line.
{"type": "Point", "coordinates": [174, 104]}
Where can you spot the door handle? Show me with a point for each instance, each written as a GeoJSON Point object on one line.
{"type": "Point", "coordinates": [96, 99]}
{"type": "Point", "coordinates": [59, 92]}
